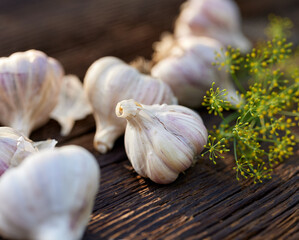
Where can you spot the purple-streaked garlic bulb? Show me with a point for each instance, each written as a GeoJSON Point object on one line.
{"type": "Point", "coordinates": [110, 80]}
{"type": "Point", "coordinates": [15, 147]}
{"type": "Point", "coordinates": [29, 89]}
{"type": "Point", "coordinates": [49, 196]}
{"type": "Point", "coordinates": [72, 105]}
{"type": "Point", "coordinates": [218, 19]}
{"type": "Point", "coordinates": [188, 70]}
{"type": "Point", "coordinates": [161, 141]}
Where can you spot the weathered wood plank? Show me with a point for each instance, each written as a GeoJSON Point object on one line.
{"type": "Point", "coordinates": [137, 206]}
{"type": "Point", "coordinates": [206, 201]}
{"type": "Point", "coordinates": [203, 203]}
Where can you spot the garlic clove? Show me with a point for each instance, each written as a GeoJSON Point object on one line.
{"type": "Point", "coordinates": [47, 144]}
{"type": "Point", "coordinates": [161, 140]}
{"type": "Point", "coordinates": [72, 104]}
{"type": "Point", "coordinates": [50, 195]}
{"type": "Point", "coordinates": [15, 147]}
{"type": "Point", "coordinates": [110, 80]}
{"type": "Point", "coordinates": [218, 19]}
{"type": "Point", "coordinates": [189, 72]}
{"type": "Point", "coordinates": [3, 167]}
{"type": "Point", "coordinates": [29, 87]}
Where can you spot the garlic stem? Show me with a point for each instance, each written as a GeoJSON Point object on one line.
{"type": "Point", "coordinates": [127, 109]}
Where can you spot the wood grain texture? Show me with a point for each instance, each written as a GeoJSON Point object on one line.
{"type": "Point", "coordinates": [204, 203]}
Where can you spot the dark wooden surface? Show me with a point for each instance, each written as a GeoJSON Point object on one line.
{"type": "Point", "coordinates": [206, 201]}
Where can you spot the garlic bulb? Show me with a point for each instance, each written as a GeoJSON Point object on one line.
{"type": "Point", "coordinates": [29, 87]}
{"type": "Point", "coordinates": [218, 19]}
{"type": "Point", "coordinates": [189, 72]}
{"type": "Point", "coordinates": [15, 147]}
{"type": "Point", "coordinates": [161, 140]}
{"type": "Point", "coordinates": [72, 105]}
{"type": "Point", "coordinates": [110, 80]}
{"type": "Point", "coordinates": [49, 196]}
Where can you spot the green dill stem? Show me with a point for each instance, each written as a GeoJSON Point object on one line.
{"type": "Point", "coordinates": [266, 140]}
{"type": "Point", "coordinates": [235, 151]}
{"type": "Point", "coordinates": [232, 107]}
{"type": "Point", "coordinates": [220, 115]}
{"type": "Point", "coordinates": [247, 117]}
{"type": "Point", "coordinates": [236, 81]}
{"type": "Point", "coordinates": [252, 122]}
{"type": "Point", "coordinates": [226, 121]}
{"type": "Point", "coordinates": [291, 114]}
{"type": "Point", "coordinates": [230, 118]}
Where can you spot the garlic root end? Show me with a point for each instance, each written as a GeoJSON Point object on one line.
{"type": "Point", "coordinates": [105, 138]}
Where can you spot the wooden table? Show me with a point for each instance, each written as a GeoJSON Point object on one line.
{"type": "Point", "coordinates": [205, 202]}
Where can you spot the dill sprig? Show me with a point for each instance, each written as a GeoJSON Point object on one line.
{"type": "Point", "coordinates": [259, 131]}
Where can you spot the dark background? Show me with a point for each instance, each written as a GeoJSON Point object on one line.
{"type": "Point", "coordinates": [77, 32]}
{"type": "Point", "coordinates": [206, 201]}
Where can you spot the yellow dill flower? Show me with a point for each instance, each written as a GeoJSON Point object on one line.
{"type": "Point", "coordinates": [260, 130]}
{"type": "Point", "coordinates": [229, 59]}
{"type": "Point", "coordinates": [215, 101]}
{"type": "Point", "coordinates": [279, 27]}
{"type": "Point", "coordinates": [215, 148]}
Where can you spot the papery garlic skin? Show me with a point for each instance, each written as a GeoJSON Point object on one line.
{"type": "Point", "coordinates": [72, 104]}
{"type": "Point", "coordinates": [50, 195]}
{"type": "Point", "coordinates": [163, 48]}
{"type": "Point", "coordinates": [110, 80]}
{"type": "Point", "coordinates": [218, 19]}
{"type": "Point", "coordinates": [29, 89]}
{"type": "Point", "coordinates": [15, 147]}
{"type": "Point", "coordinates": [188, 70]}
{"type": "Point", "coordinates": [161, 141]}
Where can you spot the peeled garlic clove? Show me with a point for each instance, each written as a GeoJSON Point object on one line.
{"type": "Point", "coordinates": [218, 19]}
{"type": "Point", "coordinates": [29, 88]}
{"type": "Point", "coordinates": [161, 140]}
{"type": "Point", "coordinates": [15, 147]}
{"type": "Point", "coordinates": [110, 80]}
{"type": "Point", "coordinates": [189, 72]}
{"type": "Point", "coordinates": [72, 104]}
{"type": "Point", "coordinates": [50, 195]}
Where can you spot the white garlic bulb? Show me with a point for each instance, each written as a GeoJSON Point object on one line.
{"type": "Point", "coordinates": [188, 70]}
{"type": "Point", "coordinates": [218, 19]}
{"type": "Point", "coordinates": [15, 147]}
{"type": "Point", "coordinates": [49, 196]}
{"type": "Point", "coordinates": [110, 80]}
{"type": "Point", "coordinates": [161, 140]}
{"type": "Point", "coordinates": [72, 105]}
{"type": "Point", "coordinates": [29, 88]}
